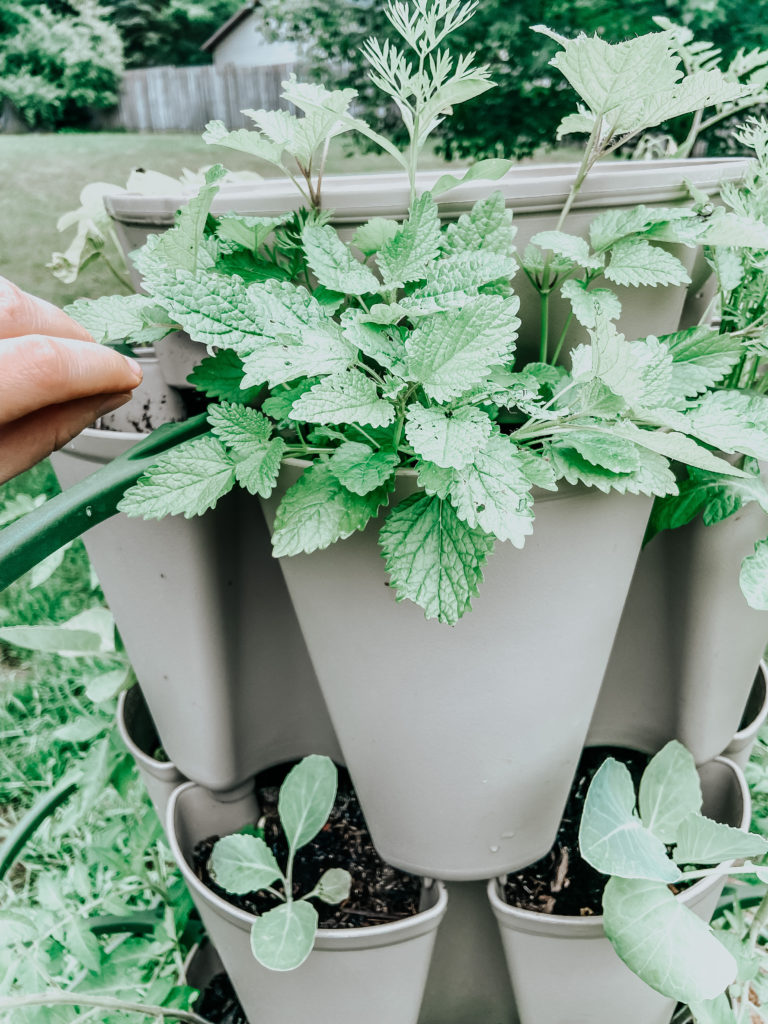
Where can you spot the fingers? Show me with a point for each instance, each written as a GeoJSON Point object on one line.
{"type": "Point", "coordinates": [21, 313]}
{"type": "Point", "coordinates": [39, 370]}
{"type": "Point", "coordinates": [28, 440]}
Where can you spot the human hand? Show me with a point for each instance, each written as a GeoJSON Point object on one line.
{"type": "Point", "coordinates": [54, 380]}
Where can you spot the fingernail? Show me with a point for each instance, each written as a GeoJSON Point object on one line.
{"type": "Point", "coordinates": [112, 403]}
{"type": "Point", "coordinates": [135, 366]}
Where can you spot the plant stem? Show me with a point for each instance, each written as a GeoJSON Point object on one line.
{"type": "Point", "coordinates": [102, 1003]}
{"type": "Point", "coordinates": [561, 339]}
{"type": "Point", "coordinates": [684, 150]}
{"type": "Point", "coordinates": [544, 308]}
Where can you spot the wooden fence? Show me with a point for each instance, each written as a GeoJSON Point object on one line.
{"type": "Point", "coordinates": [171, 99]}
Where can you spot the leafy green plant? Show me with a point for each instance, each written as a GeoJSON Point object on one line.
{"type": "Point", "coordinates": [391, 358]}
{"type": "Point", "coordinates": [282, 938]}
{"type": "Point", "coordinates": [653, 839]}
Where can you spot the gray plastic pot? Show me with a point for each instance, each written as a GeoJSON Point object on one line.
{"type": "Point", "coordinates": [536, 192]}
{"type": "Point", "coordinates": [565, 971]}
{"type": "Point", "coordinates": [177, 356]}
{"type": "Point", "coordinates": [139, 734]}
{"type": "Point", "coordinates": [209, 628]}
{"type": "Point", "coordinates": [753, 719]}
{"type": "Point", "coordinates": [376, 973]}
{"type": "Point", "coordinates": [688, 645]}
{"type": "Point", "coordinates": [486, 718]}
{"type": "Point", "coordinates": [154, 401]}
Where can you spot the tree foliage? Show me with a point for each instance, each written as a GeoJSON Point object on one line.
{"type": "Point", "coordinates": [524, 111]}
{"type": "Point", "coordinates": [56, 64]}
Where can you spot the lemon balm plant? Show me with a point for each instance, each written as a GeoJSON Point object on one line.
{"type": "Point", "coordinates": [369, 391]}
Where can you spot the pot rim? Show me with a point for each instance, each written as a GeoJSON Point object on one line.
{"type": "Point", "coordinates": [742, 736]}
{"type": "Point", "coordinates": [165, 770]}
{"type": "Point", "coordinates": [569, 926]}
{"type": "Point", "coordinates": [366, 937]}
{"type": "Point", "coordinates": [538, 187]}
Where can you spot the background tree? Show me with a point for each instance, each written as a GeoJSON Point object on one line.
{"type": "Point", "coordinates": [58, 65]}
{"type": "Point", "coordinates": [524, 111]}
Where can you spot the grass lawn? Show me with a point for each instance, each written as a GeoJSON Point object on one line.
{"type": "Point", "coordinates": [43, 175]}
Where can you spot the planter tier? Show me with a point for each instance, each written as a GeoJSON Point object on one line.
{"type": "Point", "coordinates": [688, 645]}
{"type": "Point", "coordinates": [208, 626]}
{"type": "Point", "coordinates": [463, 747]}
{"type": "Point", "coordinates": [139, 734]}
{"type": "Point", "coordinates": [376, 973]}
{"type": "Point", "coordinates": [153, 402]}
{"type": "Point", "coordinates": [536, 193]}
{"type": "Point", "coordinates": [565, 971]}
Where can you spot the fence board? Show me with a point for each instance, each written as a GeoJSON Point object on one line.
{"type": "Point", "coordinates": [169, 99]}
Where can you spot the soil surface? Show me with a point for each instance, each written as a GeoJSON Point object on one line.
{"type": "Point", "coordinates": [562, 882]}
{"type": "Point", "coordinates": [219, 1004]}
{"type": "Point", "coordinates": [379, 893]}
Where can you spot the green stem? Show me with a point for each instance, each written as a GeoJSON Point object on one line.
{"type": "Point", "coordinates": [759, 921]}
{"type": "Point", "coordinates": [684, 150]}
{"type": "Point", "coordinates": [70, 514]}
{"type": "Point", "coordinates": [544, 307]}
{"type": "Point", "coordinates": [100, 1003]}
{"type": "Point", "coordinates": [561, 339]}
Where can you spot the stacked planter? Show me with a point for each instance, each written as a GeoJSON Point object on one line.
{"type": "Point", "coordinates": [462, 751]}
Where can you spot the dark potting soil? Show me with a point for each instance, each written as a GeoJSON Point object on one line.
{"type": "Point", "coordinates": [562, 882]}
{"type": "Point", "coordinates": [219, 1004]}
{"type": "Point", "coordinates": [379, 893]}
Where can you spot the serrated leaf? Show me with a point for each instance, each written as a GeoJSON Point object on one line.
{"type": "Point", "coordinates": [306, 799]}
{"type": "Point", "coordinates": [728, 265]}
{"type": "Point", "coordinates": [636, 262]}
{"type": "Point", "coordinates": [449, 353]}
{"type": "Point", "coordinates": [244, 141]}
{"type": "Point", "coordinates": [677, 447]}
{"type": "Point", "coordinates": [568, 247]}
{"type": "Point", "coordinates": [609, 227]}
{"type": "Point", "coordinates": [114, 318]}
{"type": "Point", "coordinates": [433, 558]}
{"type": "Point", "coordinates": [374, 234]}
{"type": "Point", "coordinates": [257, 456]}
{"type": "Point", "coordinates": [493, 492]}
{"type": "Point", "coordinates": [212, 309]}
{"type": "Point", "coordinates": [701, 358]}
{"type": "Point", "coordinates": [732, 421]}
{"type": "Point", "coordinates": [700, 840]}
{"type": "Point", "coordinates": [333, 263]}
{"type": "Point", "coordinates": [406, 256]}
{"type": "Point", "coordinates": [448, 438]}
{"type": "Point", "coordinates": [187, 480]}
{"type": "Point", "coordinates": [250, 232]}
{"type": "Point", "coordinates": [654, 477]}
{"type": "Point", "coordinates": [334, 885]}
{"type": "Point", "coordinates": [618, 81]}
{"type": "Point", "coordinates": [483, 170]}
{"type": "Point", "coordinates": [538, 469]}
{"type": "Point", "coordinates": [361, 469]}
{"type": "Point", "coordinates": [664, 942]}
{"type": "Point", "coordinates": [669, 790]}
{"type": "Point", "coordinates": [710, 494]}
{"type": "Point", "coordinates": [220, 376]}
{"type": "Point", "coordinates": [257, 468]}
{"type": "Point", "coordinates": [465, 272]}
{"type": "Point", "coordinates": [591, 304]}
{"type": "Point", "coordinates": [279, 405]}
{"type": "Point", "coordinates": [317, 511]}
{"type": "Point", "coordinates": [696, 91]}
{"type": "Point", "coordinates": [383, 346]}
{"type": "Point", "coordinates": [488, 225]}
{"type": "Point", "coordinates": [753, 577]}
{"type": "Point", "coordinates": [616, 454]}
{"type": "Point", "coordinates": [611, 836]}
{"type": "Point", "coordinates": [83, 944]}
{"type": "Point", "coordinates": [237, 425]}
{"type": "Point", "coordinates": [243, 863]}
{"type": "Point", "coordinates": [312, 353]}
{"type": "Point", "coordinates": [348, 397]}
{"type": "Point", "coordinates": [282, 939]}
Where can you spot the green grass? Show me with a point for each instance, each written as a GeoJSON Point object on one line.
{"type": "Point", "coordinates": [43, 175]}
